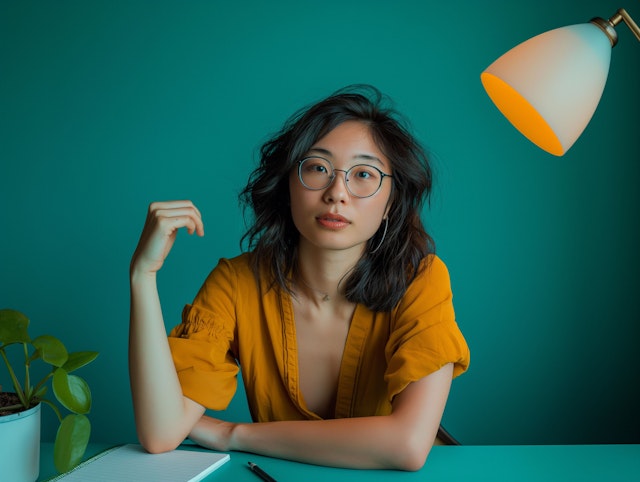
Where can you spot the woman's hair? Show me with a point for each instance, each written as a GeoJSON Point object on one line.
{"type": "Point", "coordinates": [381, 276]}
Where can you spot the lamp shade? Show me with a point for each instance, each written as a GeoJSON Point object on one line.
{"type": "Point", "coordinates": [549, 86]}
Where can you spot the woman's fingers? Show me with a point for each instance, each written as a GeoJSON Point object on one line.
{"type": "Point", "coordinates": [164, 219]}
{"type": "Point", "coordinates": [178, 214]}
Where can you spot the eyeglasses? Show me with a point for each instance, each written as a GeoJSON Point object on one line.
{"type": "Point", "coordinates": [362, 180]}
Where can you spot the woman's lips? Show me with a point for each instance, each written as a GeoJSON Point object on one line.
{"type": "Point", "coordinates": [333, 221]}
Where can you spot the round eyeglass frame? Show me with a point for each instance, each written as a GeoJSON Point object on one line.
{"type": "Point", "coordinates": [332, 176]}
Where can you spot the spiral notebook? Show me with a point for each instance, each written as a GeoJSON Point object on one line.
{"type": "Point", "coordinates": [131, 463]}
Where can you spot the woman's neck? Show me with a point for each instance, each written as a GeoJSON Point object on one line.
{"type": "Point", "coordinates": [321, 273]}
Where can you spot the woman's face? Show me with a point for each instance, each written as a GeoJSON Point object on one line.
{"type": "Point", "coordinates": [332, 218]}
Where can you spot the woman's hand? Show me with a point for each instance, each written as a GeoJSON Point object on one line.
{"type": "Point", "coordinates": [164, 219]}
{"type": "Point", "coordinates": [213, 433]}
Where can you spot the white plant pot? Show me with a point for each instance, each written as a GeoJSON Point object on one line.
{"type": "Point", "coordinates": [20, 446]}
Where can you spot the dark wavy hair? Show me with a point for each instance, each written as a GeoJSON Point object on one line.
{"type": "Point", "coordinates": [381, 276]}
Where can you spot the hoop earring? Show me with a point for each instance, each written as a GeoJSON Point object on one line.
{"type": "Point", "coordinates": [384, 233]}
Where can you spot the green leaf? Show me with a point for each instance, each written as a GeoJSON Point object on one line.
{"type": "Point", "coordinates": [51, 350]}
{"type": "Point", "coordinates": [71, 442]}
{"type": "Point", "coordinates": [79, 359]}
{"type": "Point", "coordinates": [13, 327]}
{"type": "Point", "coordinates": [71, 391]}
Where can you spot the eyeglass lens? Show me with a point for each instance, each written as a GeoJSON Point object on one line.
{"type": "Point", "coordinates": [362, 180]}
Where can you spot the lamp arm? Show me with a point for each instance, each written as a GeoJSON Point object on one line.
{"type": "Point", "coordinates": [607, 26]}
{"type": "Point", "coordinates": [622, 15]}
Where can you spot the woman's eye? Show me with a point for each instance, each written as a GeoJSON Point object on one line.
{"type": "Point", "coordinates": [315, 166]}
{"type": "Point", "coordinates": [365, 174]}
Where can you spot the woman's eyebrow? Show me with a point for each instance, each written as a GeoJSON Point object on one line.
{"type": "Point", "coordinates": [363, 157]}
{"type": "Point", "coordinates": [320, 150]}
{"type": "Point", "coordinates": [368, 157]}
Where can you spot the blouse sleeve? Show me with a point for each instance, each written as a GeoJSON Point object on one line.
{"type": "Point", "coordinates": [202, 345]}
{"type": "Point", "coordinates": [424, 334]}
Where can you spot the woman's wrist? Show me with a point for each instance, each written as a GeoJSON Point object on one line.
{"type": "Point", "coordinates": [137, 275]}
{"type": "Point", "coordinates": [236, 433]}
{"type": "Point", "coordinates": [215, 434]}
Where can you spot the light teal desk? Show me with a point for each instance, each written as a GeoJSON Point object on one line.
{"type": "Point", "coordinates": [549, 463]}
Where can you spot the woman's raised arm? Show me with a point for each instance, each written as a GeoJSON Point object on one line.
{"type": "Point", "coordinates": [164, 417]}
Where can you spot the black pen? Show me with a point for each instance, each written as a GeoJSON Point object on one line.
{"type": "Point", "coordinates": [260, 473]}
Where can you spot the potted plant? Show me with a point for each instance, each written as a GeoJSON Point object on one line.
{"type": "Point", "coordinates": [71, 391]}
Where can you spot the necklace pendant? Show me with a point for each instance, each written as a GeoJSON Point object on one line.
{"type": "Point", "coordinates": [326, 297]}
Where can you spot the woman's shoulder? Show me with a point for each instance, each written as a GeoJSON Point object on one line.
{"type": "Point", "coordinates": [237, 268]}
{"type": "Point", "coordinates": [229, 276]}
{"type": "Point", "coordinates": [239, 262]}
{"type": "Point", "coordinates": [433, 268]}
{"type": "Point", "coordinates": [431, 284]}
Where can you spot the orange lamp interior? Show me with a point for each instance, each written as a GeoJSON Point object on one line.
{"type": "Point", "coordinates": [521, 114]}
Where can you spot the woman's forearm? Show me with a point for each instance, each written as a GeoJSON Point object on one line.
{"type": "Point", "coordinates": [381, 442]}
{"type": "Point", "coordinates": [367, 443]}
{"type": "Point", "coordinates": [401, 440]}
{"type": "Point", "coordinates": [163, 416]}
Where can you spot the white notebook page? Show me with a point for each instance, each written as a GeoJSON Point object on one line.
{"type": "Point", "coordinates": [131, 463]}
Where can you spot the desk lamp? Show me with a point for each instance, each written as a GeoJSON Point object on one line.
{"type": "Point", "coordinates": [549, 86]}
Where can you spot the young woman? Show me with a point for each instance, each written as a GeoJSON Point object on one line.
{"type": "Point", "coordinates": [340, 314]}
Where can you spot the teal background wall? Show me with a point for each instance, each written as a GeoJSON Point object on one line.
{"type": "Point", "coordinates": [107, 106]}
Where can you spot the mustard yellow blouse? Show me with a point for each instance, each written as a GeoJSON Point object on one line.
{"type": "Point", "coordinates": [234, 319]}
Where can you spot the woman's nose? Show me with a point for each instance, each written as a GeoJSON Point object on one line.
{"type": "Point", "coordinates": [337, 191]}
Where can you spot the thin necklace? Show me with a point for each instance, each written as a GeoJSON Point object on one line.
{"type": "Point", "coordinates": [325, 295]}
